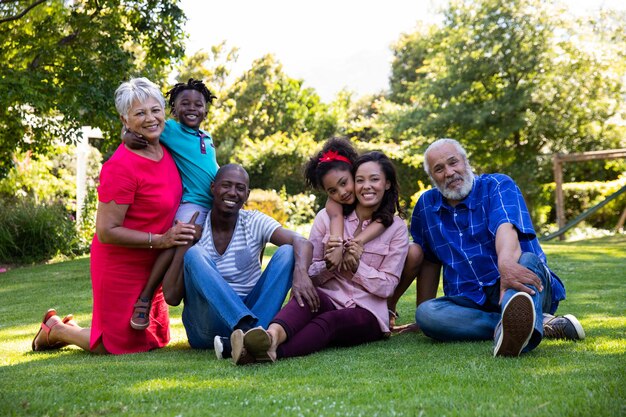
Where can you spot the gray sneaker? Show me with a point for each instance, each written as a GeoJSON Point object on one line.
{"type": "Point", "coordinates": [516, 326]}
{"type": "Point", "coordinates": [563, 327]}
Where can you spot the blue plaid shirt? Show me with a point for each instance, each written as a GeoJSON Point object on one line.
{"type": "Point", "coordinates": [463, 238]}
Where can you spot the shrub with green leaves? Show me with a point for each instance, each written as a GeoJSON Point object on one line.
{"type": "Point", "coordinates": [301, 209]}
{"type": "Point", "coordinates": [32, 232]}
{"type": "Point", "coordinates": [268, 202]}
{"type": "Point", "coordinates": [581, 196]}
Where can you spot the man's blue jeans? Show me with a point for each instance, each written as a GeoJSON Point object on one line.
{"type": "Point", "coordinates": [458, 318]}
{"type": "Point", "coordinates": [212, 308]}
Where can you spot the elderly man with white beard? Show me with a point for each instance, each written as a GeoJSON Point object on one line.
{"type": "Point", "coordinates": [496, 280]}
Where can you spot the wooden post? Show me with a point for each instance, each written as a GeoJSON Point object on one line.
{"type": "Point", "coordinates": [558, 191]}
{"type": "Point", "coordinates": [620, 222]}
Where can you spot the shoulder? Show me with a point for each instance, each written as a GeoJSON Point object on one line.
{"type": "Point", "coordinates": [429, 197]}
{"type": "Point", "coordinates": [255, 217]}
{"type": "Point", "coordinates": [398, 226]}
{"type": "Point", "coordinates": [322, 218]}
{"type": "Point", "coordinates": [121, 160]}
{"type": "Point", "coordinates": [172, 124]}
{"type": "Point", "coordinates": [322, 214]}
{"type": "Point", "coordinates": [494, 180]}
{"type": "Point", "coordinates": [171, 128]}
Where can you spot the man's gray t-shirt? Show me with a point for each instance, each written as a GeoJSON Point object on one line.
{"type": "Point", "coordinates": [240, 263]}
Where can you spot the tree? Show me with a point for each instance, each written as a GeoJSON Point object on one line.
{"type": "Point", "coordinates": [265, 101]}
{"type": "Point", "coordinates": [213, 68]}
{"type": "Point", "coordinates": [62, 62]}
{"type": "Point", "coordinates": [513, 81]}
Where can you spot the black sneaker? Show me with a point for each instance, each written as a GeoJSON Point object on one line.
{"type": "Point", "coordinates": [223, 349]}
{"type": "Point", "coordinates": [516, 326]}
{"type": "Point", "coordinates": [563, 327]}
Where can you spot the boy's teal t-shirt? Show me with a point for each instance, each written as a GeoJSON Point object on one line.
{"type": "Point", "coordinates": [194, 154]}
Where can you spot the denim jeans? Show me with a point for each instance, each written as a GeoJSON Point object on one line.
{"type": "Point", "coordinates": [458, 318]}
{"type": "Point", "coordinates": [212, 308]}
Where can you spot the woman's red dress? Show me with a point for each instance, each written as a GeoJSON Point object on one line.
{"type": "Point", "coordinates": [152, 190]}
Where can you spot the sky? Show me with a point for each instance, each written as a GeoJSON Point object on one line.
{"type": "Point", "coordinates": [330, 44]}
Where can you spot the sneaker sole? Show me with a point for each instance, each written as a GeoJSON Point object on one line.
{"type": "Point", "coordinates": [257, 342]}
{"type": "Point", "coordinates": [236, 344]}
{"type": "Point", "coordinates": [579, 328]}
{"type": "Point", "coordinates": [518, 322]}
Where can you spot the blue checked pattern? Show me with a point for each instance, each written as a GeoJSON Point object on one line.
{"type": "Point", "coordinates": [462, 238]}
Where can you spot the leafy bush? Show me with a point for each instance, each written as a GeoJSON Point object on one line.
{"type": "Point", "coordinates": [268, 202]}
{"type": "Point", "coordinates": [301, 209]}
{"type": "Point", "coordinates": [86, 228]}
{"type": "Point", "coordinates": [580, 196]}
{"type": "Point", "coordinates": [276, 161]}
{"type": "Point", "coordinates": [32, 232]}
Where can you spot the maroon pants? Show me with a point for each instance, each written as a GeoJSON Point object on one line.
{"type": "Point", "coordinates": [309, 332]}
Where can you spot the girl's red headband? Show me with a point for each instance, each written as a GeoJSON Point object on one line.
{"type": "Point", "coordinates": [330, 156]}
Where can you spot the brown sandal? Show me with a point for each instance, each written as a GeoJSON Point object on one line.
{"type": "Point", "coordinates": [140, 319]}
{"type": "Point", "coordinates": [38, 344]}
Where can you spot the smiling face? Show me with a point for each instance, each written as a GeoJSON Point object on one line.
{"type": "Point", "coordinates": [230, 191]}
{"type": "Point", "coordinates": [370, 184]}
{"type": "Point", "coordinates": [190, 108]}
{"type": "Point", "coordinates": [146, 118]}
{"type": "Point", "coordinates": [451, 173]}
{"type": "Point", "coordinates": [339, 185]}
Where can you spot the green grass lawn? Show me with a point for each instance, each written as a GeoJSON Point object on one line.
{"type": "Point", "coordinates": [407, 375]}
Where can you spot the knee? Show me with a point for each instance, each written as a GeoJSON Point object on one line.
{"type": "Point", "coordinates": [426, 313]}
{"type": "Point", "coordinates": [529, 259]}
{"type": "Point", "coordinates": [534, 263]}
{"type": "Point", "coordinates": [191, 255]}
{"type": "Point", "coordinates": [414, 259]}
{"type": "Point", "coordinates": [284, 250]}
{"type": "Point", "coordinates": [284, 254]}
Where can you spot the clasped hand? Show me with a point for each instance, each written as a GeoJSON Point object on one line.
{"type": "Point", "coordinates": [342, 255]}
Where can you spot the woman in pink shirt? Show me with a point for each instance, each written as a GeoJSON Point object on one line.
{"type": "Point", "coordinates": [352, 305]}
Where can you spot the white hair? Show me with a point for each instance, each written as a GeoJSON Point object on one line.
{"type": "Point", "coordinates": [139, 89]}
{"type": "Point", "coordinates": [437, 144]}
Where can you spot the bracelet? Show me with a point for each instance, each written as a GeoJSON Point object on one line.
{"type": "Point", "coordinates": [150, 239]}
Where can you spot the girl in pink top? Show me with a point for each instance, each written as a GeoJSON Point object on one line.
{"type": "Point", "coordinates": [352, 303]}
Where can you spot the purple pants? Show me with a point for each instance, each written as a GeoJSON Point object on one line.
{"type": "Point", "coordinates": [309, 332]}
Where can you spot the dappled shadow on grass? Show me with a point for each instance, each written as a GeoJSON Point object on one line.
{"type": "Point", "coordinates": [408, 374]}
{"type": "Point", "coordinates": [405, 373]}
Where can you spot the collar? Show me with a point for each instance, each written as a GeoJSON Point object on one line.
{"type": "Point", "coordinates": [191, 131]}
{"type": "Point", "coordinates": [353, 218]}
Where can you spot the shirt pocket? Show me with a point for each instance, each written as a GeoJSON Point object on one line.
{"type": "Point", "coordinates": [243, 259]}
{"type": "Point", "coordinates": [374, 254]}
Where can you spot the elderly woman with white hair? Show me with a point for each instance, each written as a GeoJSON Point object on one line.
{"type": "Point", "coordinates": [138, 195]}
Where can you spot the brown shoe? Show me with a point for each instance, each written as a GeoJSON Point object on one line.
{"type": "Point", "coordinates": [140, 319]}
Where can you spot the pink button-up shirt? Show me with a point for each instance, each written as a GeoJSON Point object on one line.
{"type": "Point", "coordinates": [379, 269]}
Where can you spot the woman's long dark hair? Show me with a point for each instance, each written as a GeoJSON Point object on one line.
{"type": "Point", "coordinates": [390, 204]}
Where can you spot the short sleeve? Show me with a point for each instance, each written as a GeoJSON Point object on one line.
{"type": "Point", "coordinates": [419, 227]}
{"type": "Point", "coordinates": [117, 183]}
{"type": "Point", "coordinates": [263, 225]}
{"type": "Point", "coordinates": [507, 205]}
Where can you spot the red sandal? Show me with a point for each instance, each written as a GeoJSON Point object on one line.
{"type": "Point", "coordinates": [38, 344]}
{"type": "Point", "coordinates": [140, 319]}
{"type": "Point", "coordinates": [69, 320]}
